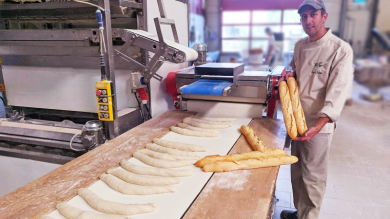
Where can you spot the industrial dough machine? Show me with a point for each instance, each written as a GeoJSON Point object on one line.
{"type": "Point", "coordinates": [226, 89]}
{"type": "Point", "coordinates": [49, 66]}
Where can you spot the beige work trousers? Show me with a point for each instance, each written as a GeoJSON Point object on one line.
{"type": "Point", "coordinates": [309, 174]}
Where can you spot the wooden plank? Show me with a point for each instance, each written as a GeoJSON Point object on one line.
{"type": "Point", "coordinates": [42, 195]}
{"type": "Point", "coordinates": [244, 193]}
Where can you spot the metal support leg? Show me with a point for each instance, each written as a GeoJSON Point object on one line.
{"type": "Point", "coordinates": [111, 127]}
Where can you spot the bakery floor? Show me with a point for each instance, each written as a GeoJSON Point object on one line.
{"type": "Point", "coordinates": [359, 168]}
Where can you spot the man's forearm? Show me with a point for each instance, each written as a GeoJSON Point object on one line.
{"type": "Point", "coordinates": [321, 122]}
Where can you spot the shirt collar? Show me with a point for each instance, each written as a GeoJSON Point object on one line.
{"type": "Point", "coordinates": [320, 41]}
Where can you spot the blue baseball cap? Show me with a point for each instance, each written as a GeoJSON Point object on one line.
{"type": "Point", "coordinates": [317, 4]}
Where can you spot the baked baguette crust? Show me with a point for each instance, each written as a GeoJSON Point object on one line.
{"type": "Point", "coordinates": [296, 106]}
{"type": "Point", "coordinates": [249, 164]}
{"type": "Point", "coordinates": [239, 157]}
{"type": "Point", "coordinates": [254, 141]}
{"type": "Point", "coordinates": [289, 119]}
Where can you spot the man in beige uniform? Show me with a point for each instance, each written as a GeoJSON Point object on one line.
{"type": "Point", "coordinates": [322, 65]}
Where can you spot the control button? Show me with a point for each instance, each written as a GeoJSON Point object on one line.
{"type": "Point", "coordinates": [104, 92]}
{"type": "Point", "coordinates": [106, 115]}
{"type": "Point", "coordinates": [98, 92]}
{"type": "Point", "coordinates": [105, 100]}
{"type": "Point", "coordinates": [102, 115]}
{"type": "Point", "coordinates": [105, 108]}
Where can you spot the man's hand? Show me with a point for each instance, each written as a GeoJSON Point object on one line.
{"type": "Point", "coordinates": [311, 132]}
{"type": "Point", "coordinates": [285, 76]}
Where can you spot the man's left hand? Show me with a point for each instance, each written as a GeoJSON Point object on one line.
{"type": "Point", "coordinates": [310, 133]}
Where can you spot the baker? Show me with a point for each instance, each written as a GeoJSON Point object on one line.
{"type": "Point", "coordinates": [322, 66]}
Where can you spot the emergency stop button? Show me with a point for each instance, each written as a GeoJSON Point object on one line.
{"type": "Point", "coordinates": [98, 92]}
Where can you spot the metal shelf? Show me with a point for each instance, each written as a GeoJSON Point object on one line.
{"type": "Point", "coordinates": [66, 4]}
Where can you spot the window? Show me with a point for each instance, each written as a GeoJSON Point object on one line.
{"type": "Point", "coordinates": [245, 30]}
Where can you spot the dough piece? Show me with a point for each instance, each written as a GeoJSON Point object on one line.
{"type": "Point", "coordinates": [131, 189]}
{"type": "Point", "coordinates": [216, 119]}
{"type": "Point", "coordinates": [161, 149]}
{"type": "Point", "coordinates": [254, 141]}
{"type": "Point", "coordinates": [71, 212]}
{"type": "Point", "coordinates": [289, 119]}
{"type": "Point", "coordinates": [110, 207]}
{"type": "Point", "coordinates": [193, 133]}
{"type": "Point", "coordinates": [207, 121]}
{"type": "Point", "coordinates": [165, 156]}
{"type": "Point", "coordinates": [206, 124]}
{"type": "Point", "coordinates": [46, 217]}
{"type": "Point", "coordinates": [162, 163]}
{"type": "Point", "coordinates": [153, 171]}
{"type": "Point", "coordinates": [243, 156]}
{"type": "Point", "coordinates": [249, 164]}
{"type": "Point", "coordinates": [193, 128]}
{"type": "Point", "coordinates": [296, 106]}
{"type": "Point", "coordinates": [179, 146]}
{"type": "Point", "coordinates": [143, 180]}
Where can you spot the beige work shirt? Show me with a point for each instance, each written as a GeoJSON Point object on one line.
{"type": "Point", "coordinates": [324, 75]}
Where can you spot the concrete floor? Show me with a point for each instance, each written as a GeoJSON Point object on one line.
{"type": "Point", "coordinates": [359, 170]}
{"type": "Point", "coordinates": [16, 172]}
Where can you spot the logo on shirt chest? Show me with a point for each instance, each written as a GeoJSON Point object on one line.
{"type": "Point", "coordinates": [318, 68]}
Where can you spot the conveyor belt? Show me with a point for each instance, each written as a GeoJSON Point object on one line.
{"type": "Point", "coordinates": [206, 87]}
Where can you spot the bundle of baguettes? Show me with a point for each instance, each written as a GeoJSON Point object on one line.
{"type": "Point", "coordinates": [260, 157]}
{"type": "Point", "coordinates": [293, 115]}
{"type": "Point", "coordinates": [296, 106]}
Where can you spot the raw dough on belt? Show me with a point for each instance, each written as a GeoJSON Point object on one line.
{"type": "Point", "coordinates": [165, 156]}
{"type": "Point", "coordinates": [207, 121]}
{"type": "Point", "coordinates": [162, 163]}
{"type": "Point", "coordinates": [193, 128]}
{"type": "Point", "coordinates": [193, 133]}
{"type": "Point", "coordinates": [216, 119]}
{"type": "Point", "coordinates": [143, 180]}
{"type": "Point", "coordinates": [161, 149]}
{"type": "Point", "coordinates": [179, 146]}
{"type": "Point", "coordinates": [206, 124]}
{"type": "Point", "coordinates": [132, 189]}
{"type": "Point", "coordinates": [110, 207]}
{"type": "Point", "coordinates": [71, 212]}
{"type": "Point", "coordinates": [153, 171]}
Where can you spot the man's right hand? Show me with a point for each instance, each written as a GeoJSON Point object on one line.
{"type": "Point", "coordinates": [285, 76]}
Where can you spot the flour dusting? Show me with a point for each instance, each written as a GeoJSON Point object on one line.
{"type": "Point", "coordinates": [234, 180]}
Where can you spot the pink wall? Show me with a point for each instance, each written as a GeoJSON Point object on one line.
{"type": "Point", "coordinates": [234, 5]}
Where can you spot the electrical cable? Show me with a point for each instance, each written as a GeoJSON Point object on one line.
{"type": "Point", "coordinates": [140, 109]}
{"type": "Point", "coordinates": [71, 140]}
{"type": "Point", "coordinates": [88, 3]}
{"type": "Point", "coordinates": [146, 105]}
{"type": "Point", "coordinates": [4, 102]}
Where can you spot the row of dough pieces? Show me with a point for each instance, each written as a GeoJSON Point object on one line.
{"type": "Point", "coordinates": [162, 154]}
{"type": "Point", "coordinates": [202, 126]}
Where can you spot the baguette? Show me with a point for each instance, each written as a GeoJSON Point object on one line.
{"type": "Point", "coordinates": [288, 115]}
{"type": "Point", "coordinates": [238, 157]}
{"type": "Point", "coordinates": [254, 141]}
{"type": "Point", "coordinates": [296, 106]}
{"type": "Point", "coordinates": [249, 164]}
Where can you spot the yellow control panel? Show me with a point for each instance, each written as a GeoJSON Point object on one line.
{"type": "Point", "coordinates": [105, 98]}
